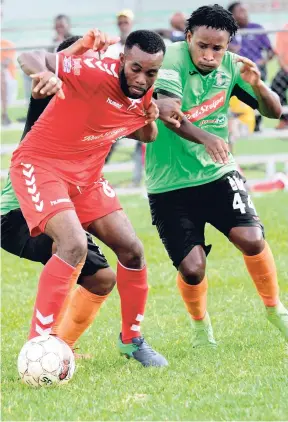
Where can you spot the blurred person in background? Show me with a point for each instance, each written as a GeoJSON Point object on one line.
{"type": "Point", "coordinates": [177, 32]}
{"type": "Point", "coordinates": [62, 26]}
{"type": "Point", "coordinates": [280, 82]}
{"type": "Point", "coordinates": [256, 47]}
{"type": "Point", "coordinates": [8, 79]}
{"type": "Point", "coordinates": [125, 21]}
{"type": "Point", "coordinates": [8, 76]}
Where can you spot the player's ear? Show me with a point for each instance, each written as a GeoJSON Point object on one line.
{"type": "Point", "coordinates": [122, 58]}
{"type": "Point", "coordinates": [189, 36]}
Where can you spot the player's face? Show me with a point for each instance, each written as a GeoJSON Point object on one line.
{"type": "Point", "coordinates": [62, 27]}
{"type": "Point", "coordinates": [240, 14]}
{"type": "Point", "coordinates": [207, 47]}
{"type": "Point", "coordinates": [138, 71]}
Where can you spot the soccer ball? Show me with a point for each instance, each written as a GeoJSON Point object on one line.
{"type": "Point", "coordinates": [46, 361]}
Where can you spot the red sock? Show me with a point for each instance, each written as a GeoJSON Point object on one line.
{"type": "Point", "coordinates": [133, 290]}
{"type": "Point", "coordinates": [53, 288]}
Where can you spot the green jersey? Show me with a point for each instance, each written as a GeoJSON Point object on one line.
{"type": "Point", "coordinates": [9, 202]}
{"type": "Point", "coordinates": [173, 162]}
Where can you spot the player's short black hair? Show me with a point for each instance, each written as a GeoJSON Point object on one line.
{"type": "Point", "coordinates": [58, 17]}
{"type": "Point", "coordinates": [69, 41]}
{"type": "Point", "coordinates": [213, 16]}
{"type": "Point", "coordinates": [148, 41]}
{"type": "Point", "coordinates": [232, 6]}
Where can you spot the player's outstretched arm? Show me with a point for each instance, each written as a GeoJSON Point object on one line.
{"type": "Point", "coordinates": [269, 103]}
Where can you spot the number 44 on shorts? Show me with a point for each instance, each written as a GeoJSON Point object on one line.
{"type": "Point", "coordinates": [238, 204]}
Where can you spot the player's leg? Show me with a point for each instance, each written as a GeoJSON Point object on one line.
{"type": "Point", "coordinates": [261, 266]}
{"type": "Point", "coordinates": [95, 282]}
{"type": "Point", "coordinates": [116, 231]}
{"type": "Point", "coordinates": [181, 228]}
{"type": "Point", "coordinates": [95, 285]}
{"type": "Point", "coordinates": [36, 189]}
{"type": "Point", "coordinates": [236, 217]}
{"type": "Point", "coordinates": [101, 213]}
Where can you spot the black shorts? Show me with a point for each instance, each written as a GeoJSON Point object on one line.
{"type": "Point", "coordinates": [180, 215]}
{"type": "Point", "coordinates": [16, 239]}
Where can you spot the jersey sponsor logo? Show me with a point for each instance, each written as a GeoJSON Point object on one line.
{"type": "Point", "coordinates": [114, 103]}
{"type": "Point", "coordinates": [104, 67]}
{"type": "Point", "coordinates": [220, 121]}
{"type": "Point", "coordinates": [59, 201]}
{"type": "Point", "coordinates": [113, 133]}
{"type": "Point", "coordinates": [206, 108]}
{"type": "Point", "coordinates": [67, 64]}
{"type": "Point", "coordinates": [76, 66]}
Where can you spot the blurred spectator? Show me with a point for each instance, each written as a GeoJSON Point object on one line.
{"type": "Point", "coordinates": [256, 47]}
{"type": "Point", "coordinates": [280, 82]}
{"type": "Point", "coordinates": [62, 26]}
{"type": "Point", "coordinates": [8, 79]}
{"type": "Point", "coordinates": [241, 121]}
{"type": "Point", "coordinates": [125, 20]}
{"type": "Point", "coordinates": [178, 24]}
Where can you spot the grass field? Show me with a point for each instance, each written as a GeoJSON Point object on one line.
{"type": "Point", "coordinates": [244, 379]}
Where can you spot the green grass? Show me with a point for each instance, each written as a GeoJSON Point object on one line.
{"type": "Point", "coordinates": [244, 379]}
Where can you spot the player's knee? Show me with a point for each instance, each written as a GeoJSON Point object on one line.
{"type": "Point", "coordinates": [249, 240]}
{"type": "Point", "coordinates": [192, 271]}
{"type": "Point", "coordinates": [101, 283]}
{"type": "Point", "coordinates": [133, 255]}
{"type": "Point", "coordinates": [74, 250]}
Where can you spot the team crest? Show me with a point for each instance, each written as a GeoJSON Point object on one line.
{"type": "Point", "coordinates": [220, 79]}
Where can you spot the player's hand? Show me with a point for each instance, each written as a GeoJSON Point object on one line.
{"type": "Point", "coordinates": [170, 111]}
{"type": "Point", "coordinates": [249, 71]}
{"type": "Point", "coordinates": [216, 148]}
{"type": "Point", "coordinates": [48, 84]}
{"type": "Point", "coordinates": [98, 41]}
{"type": "Point", "coordinates": [152, 113]}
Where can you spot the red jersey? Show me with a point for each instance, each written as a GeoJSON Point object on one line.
{"type": "Point", "coordinates": [73, 136]}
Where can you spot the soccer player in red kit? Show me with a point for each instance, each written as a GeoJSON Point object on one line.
{"type": "Point", "coordinates": [56, 173]}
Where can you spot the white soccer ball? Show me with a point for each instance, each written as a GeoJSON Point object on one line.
{"type": "Point", "coordinates": [46, 361]}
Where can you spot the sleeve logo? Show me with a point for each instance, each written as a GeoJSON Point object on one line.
{"type": "Point", "coordinates": [67, 64]}
{"type": "Point", "coordinates": [77, 66]}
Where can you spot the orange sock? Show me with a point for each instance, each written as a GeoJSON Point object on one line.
{"type": "Point", "coordinates": [262, 269]}
{"type": "Point", "coordinates": [73, 280]}
{"type": "Point", "coordinates": [79, 315]}
{"type": "Point", "coordinates": [195, 297]}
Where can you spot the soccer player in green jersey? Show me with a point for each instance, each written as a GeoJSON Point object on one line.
{"type": "Point", "coordinates": [190, 185]}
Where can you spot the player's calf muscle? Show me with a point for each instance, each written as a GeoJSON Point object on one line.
{"type": "Point", "coordinates": [101, 283]}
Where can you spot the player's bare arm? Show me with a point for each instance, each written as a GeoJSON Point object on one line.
{"type": "Point", "coordinates": [41, 65]}
{"type": "Point", "coordinates": [170, 111]}
{"type": "Point", "coordinates": [216, 147]}
{"type": "Point", "coordinates": [269, 102]}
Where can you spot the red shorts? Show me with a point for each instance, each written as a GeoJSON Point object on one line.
{"type": "Point", "coordinates": [42, 195]}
